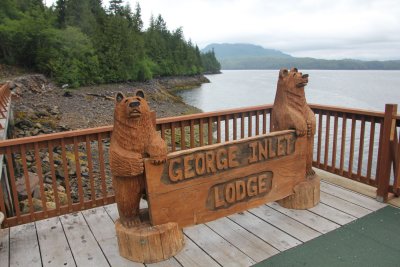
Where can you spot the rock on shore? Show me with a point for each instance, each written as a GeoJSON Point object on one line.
{"type": "Point", "coordinates": [40, 107]}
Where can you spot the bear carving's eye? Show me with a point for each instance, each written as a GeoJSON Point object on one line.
{"type": "Point", "coordinates": [126, 100]}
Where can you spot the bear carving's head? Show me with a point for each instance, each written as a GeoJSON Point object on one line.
{"type": "Point", "coordinates": [293, 80]}
{"type": "Point", "coordinates": [130, 108]}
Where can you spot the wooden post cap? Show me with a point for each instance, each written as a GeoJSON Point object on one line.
{"type": "Point", "coordinates": [305, 195]}
{"type": "Point", "coordinates": [148, 244]}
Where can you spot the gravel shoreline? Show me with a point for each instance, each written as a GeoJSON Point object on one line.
{"type": "Point", "coordinates": [41, 107]}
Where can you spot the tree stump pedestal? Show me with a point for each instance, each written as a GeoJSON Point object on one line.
{"type": "Point", "coordinates": [148, 244]}
{"type": "Point", "coordinates": [306, 195]}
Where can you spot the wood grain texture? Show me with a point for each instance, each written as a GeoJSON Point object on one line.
{"type": "Point", "coordinates": [23, 239]}
{"type": "Point", "coordinates": [236, 176]}
{"type": "Point", "coordinates": [306, 195]}
{"type": "Point", "coordinates": [134, 137]}
{"type": "Point", "coordinates": [148, 244]}
{"type": "Point", "coordinates": [54, 247]}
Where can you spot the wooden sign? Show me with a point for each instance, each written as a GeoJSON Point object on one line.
{"type": "Point", "coordinates": [202, 184]}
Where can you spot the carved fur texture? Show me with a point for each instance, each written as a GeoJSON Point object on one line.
{"type": "Point", "coordinates": [133, 138]}
{"type": "Point", "coordinates": [291, 111]}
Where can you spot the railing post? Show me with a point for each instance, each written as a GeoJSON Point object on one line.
{"type": "Point", "coordinates": [384, 156]}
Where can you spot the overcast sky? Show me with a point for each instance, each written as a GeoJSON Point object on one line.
{"type": "Point", "coordinates": [331, 29]}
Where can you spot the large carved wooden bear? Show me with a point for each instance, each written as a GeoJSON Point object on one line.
{"type": "Point", "coordinates": [133, 138]}
{"type": "Point", "coordinates": [291, 111]}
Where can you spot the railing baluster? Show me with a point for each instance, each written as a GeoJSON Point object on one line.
{"type": "Point", "coordinates": [343, 144]}
{"type": "Point", "coordinates": [163, 131]}
{"type": "Point", "coordinates": [66, 174]}
{"type": "Point", "coordinates": [78, 174]}
{"type": "Point", "coordinates": [10, 167]}
{"type": "Point", "coordinates": [226, 128]}
{"type": "Point", "coordinates": [334, 149]}
{"type": "Point", "coordinates": [210, 131]}
{"type": "Point", "coordinates": [53, 176]}
{"type": "Point", "coordinates": [352, 140]}
{"type": "Point", "coordinates": [371, 149]}
{"type": "Point", "coordinates": [327, 132]}
{"type": "Point", "coordinates": [173, 142]}
{"type": "Point", "coordinates": [201, 132]}
{"type": "Point", "coordinates": [264, 131]}
{"type": "Point", "coordinates": [242, 126]}
{"type": "Point", "coordinates": [234, 126]}
{"type": "Point", "coordinates": [192, 144]}
{"type": "Point", "coordinates": [257, 122]}
{"type": "Point", "coordinates": [218, 129]}
{"type": "Point", "coordinates": [319, 138]}
{"type": "Point", "coordinates": [361, 149]}
{"type": "Point", "coordinates": [102, 168]}
{"type": "Point", "coordinates": [27, 181]}
{"type": "Point", "coordinates": [183, 136]}
{"type": "Point", "coordinates": [90, 166]}
{"type": "Point", "coordinates": [250, 124]}
{"type": "Point", "coordinates": [39, 171]}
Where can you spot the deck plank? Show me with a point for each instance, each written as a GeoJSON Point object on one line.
{"type": "Point", "coordinates": [54, 247]}
{"type": "Point", "coordinates": [269, 233]}
{"type": "Point", "coordinates": [247, 242]}
{"type": "Point", "coordinates": [218, 248]}
{"type": "Point", "coordinates": [84, 247]}
{"type": "Point", "coordinates": [343, 205]}
{"type": "Point", "coordinates": [351, 196]}
{"type": "Point", "coordinates": [332, 214]}
{"type": "Point", "coordinates": [103, 230]}
{"type": "Point", "coordinates": [5, 246]}
{"type": "Point", "coordinates": [308, 218]}
{"type": "Point", "coordinates": [285, 223]}
{"type": "Point", "coordinates": [24, 246]}
{"type": "Point", "coordinates": [192, 255]}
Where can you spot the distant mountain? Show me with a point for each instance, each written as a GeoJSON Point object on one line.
{"type": "Point", "coordinates": [230, 51]}
{"type": "Point", "coordinates": [248, 56]}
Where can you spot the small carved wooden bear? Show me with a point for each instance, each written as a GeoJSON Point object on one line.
{"type": "Point", "coordinates": [291, 111]}
{"type": "Point", "coordinates": [133, 138]}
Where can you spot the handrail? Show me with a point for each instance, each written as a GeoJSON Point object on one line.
{"type": "Point", "coordinates": [69, 171]}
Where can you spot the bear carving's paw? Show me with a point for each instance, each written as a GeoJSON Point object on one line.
{"type": "Point", "coordinates": [309, 129]}
{"type": "Point", "coordinates": [136, 167]}
{"type": "Point", "coordinates": [300, 132]}
{"type": "Point", "coordinates": [131, 222]}
{"type": "Point", "coordinates": [310, 172]}
{"type": "Point", "coordinates": [158, 161]}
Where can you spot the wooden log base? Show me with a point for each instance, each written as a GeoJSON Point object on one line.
{"type": "Point", "coordinates": [148, 244]}
{"type": "Point", "coordinates": [306, 195]}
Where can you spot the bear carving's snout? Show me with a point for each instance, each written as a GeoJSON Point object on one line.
{"type": "Point", "coordinates": [134, 104]}
{"type": "Point", "coordinates": [304, 76]}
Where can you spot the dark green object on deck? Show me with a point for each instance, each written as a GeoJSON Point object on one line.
{"type": "Point", "coordinates": [373, 240]}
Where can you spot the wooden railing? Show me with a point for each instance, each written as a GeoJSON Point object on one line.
{"type": "Point", "coordinates": [59, 173]}
{"type": "Point", "coordinates": [4, 101]}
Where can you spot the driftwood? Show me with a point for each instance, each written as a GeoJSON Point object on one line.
{"type": "Point", "coordinates": [100, 95]}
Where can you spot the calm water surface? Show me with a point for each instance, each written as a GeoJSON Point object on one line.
{"type": "Point", "coordinates": [241, 88]}
{"type": "Point", "coordinates": [354, 89]}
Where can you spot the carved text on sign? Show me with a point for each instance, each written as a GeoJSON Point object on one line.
{"type": "Point", "coordinates": [209, 162]}
{"type": "Point", "coordinates": [239, 190]}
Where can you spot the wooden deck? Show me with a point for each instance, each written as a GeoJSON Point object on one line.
{"type": "Point", "coordinates": [88, 238]}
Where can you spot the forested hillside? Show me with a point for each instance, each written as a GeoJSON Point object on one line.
{"type": "Point", "coordinates": [80, 42]}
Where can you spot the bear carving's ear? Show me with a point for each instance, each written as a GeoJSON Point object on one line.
{"type": "Point", "coordinates": [283, 73]}
{"type": "Point", "coordinates": [139, 93]}
{"type": "Point", "coordinates": [293, 70]}
{"type": "Point", "coordinates": [119, 97]}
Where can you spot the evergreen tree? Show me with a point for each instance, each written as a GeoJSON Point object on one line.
{"type": "Point", "coordinates": [60, 10]}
